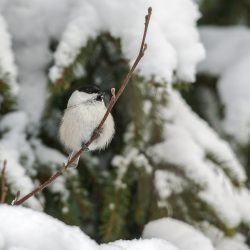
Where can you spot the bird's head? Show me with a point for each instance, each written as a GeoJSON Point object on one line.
{"type": "Point", "coordinates": [87, 93]}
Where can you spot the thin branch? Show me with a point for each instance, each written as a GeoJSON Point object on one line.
{"type": "Point", "coordinates": [4, 187]}
{"type": "Point", "coordinates": [96, 132]}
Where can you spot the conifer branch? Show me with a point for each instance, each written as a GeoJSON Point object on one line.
{"type": "Point", "coordinates": [4, 187]}
{"type": "Point", "coordinates": [97, 131]}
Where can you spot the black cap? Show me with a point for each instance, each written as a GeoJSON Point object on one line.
{"type": "Point", "coordinates": [90, 89]}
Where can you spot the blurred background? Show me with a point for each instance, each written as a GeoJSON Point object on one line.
{"type": "Point", "coordinates": [182, 142]}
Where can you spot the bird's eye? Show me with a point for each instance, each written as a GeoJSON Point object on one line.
{"type": "Point", "coordinates": [99, 97]}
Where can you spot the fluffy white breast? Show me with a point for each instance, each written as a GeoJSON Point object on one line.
{"type": "Point", "coordinates": [80, 119]}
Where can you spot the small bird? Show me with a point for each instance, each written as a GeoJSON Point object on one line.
{"type": "Point", "coordinates": [83, 114]}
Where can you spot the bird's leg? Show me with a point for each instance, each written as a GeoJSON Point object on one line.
{"type": "Point", "coordinates": [76, 161]}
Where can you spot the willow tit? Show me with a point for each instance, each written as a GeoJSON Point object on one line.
{"type": "Point", "coordinates": [83, 114]}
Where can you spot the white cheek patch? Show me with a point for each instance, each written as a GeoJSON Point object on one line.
{"type": "Point", "coordinates": [80, 98]}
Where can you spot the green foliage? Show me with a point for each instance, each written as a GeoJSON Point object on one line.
{"type": "Point", "coordinates": [114, 211]}
{"type": "Point", "coordinates": [224, 12]}
{"type": "Point", "coordinates": [7, 101]}
{"type": "Point", "coordinates": [76, 210]}
{"type": "Point", "coordinates": [143, 198]}
{"type": "Point", "coordinates": [244, 150]}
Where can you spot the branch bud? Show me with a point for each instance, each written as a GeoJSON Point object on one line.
{"type": "Point", "coordinates": [113, 92]}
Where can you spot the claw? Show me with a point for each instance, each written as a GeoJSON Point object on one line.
{"type": "Point", "coordinates": [85, 148]}
{"type": "Point", "coordinates": [98, 132]}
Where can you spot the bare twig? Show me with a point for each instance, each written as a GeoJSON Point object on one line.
{"type": "Point", "coordinates": [95, 134]}
{"type": "Point", "coordinates": [4, 187]}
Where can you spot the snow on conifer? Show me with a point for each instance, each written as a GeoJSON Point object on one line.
{"type": "Point", "coordinates": [8, 71]}
{"type": "Point", "coordinates": [173, 42]}
{"type": "Point", "coordinates": [228, 57]}
{"type": "Point", "coordinates": [13, 147]}
{"type": "Point", "coordinates": [182, 235]}
{"type": "Point", "coordinates": [205, 159]}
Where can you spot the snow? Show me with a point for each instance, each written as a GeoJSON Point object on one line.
{"type": "Point", "coordinates": [53, 159]}
{"type": "Point", "coordinates": [152, 244]}
{"type": "Point", "coordinates": [167, 183]}
{"type": "Point", "coordinates": [131, 156]}
{"type": "Point", "coordinates": [228, 57]}
{"type": "Point", "coordinates": [204, 136]}
{"type": "Point", "coordinates": [180, 234]}
{"type": "Point", "coordinates": [13, 147]}
{"type": "Point", "coordinates": [186, 237]}
{"type": "Point", "coordinates": [174, 50]}
{"type": "Point", "coordinates": [232, 244]}
{"type": "Point", "coordinates": [173, 43]}
{"type": "Point", "coordinates": [22, 228]}
{"type": "Point", "coordinates": [8, 71]}
{"type": "Point", "coordinates": [47, 156]}
{"type": "Point", "coordinates": [174, 46]}
{"type": "Point", "coordinates": [237, 242]}
{"type": "Point", "coordinates": [31, 29]}
{"type": "Point", "coordinates": [32, 55]}
{"type": "Point", "coordinates": [188, 141]}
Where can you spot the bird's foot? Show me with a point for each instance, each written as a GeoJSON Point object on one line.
{"type": "Point", "coordinates": [97, 132]}
{"type": "Point", "coordinates": [86, 149]}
